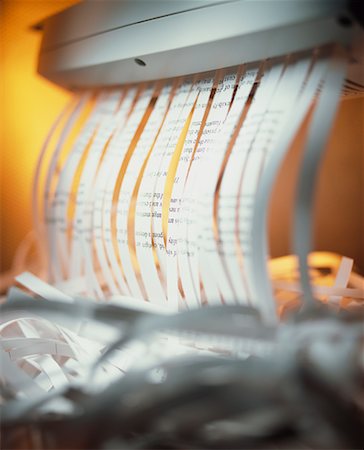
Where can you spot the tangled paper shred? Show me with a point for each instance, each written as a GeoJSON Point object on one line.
{"type": "Point", "coordinates": [92, 375]}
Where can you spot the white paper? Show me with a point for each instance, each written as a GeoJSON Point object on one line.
{"type": "Point", "coordinates": [134, 171]}
{"type": "Point", "coordinates": [143, 212]}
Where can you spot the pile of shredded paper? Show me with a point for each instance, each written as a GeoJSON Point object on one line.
{"type": "Point", "coordinates": [121, 375]}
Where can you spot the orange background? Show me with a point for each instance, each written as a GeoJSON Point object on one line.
{"type": "Point", "coordinates": [29, 104]}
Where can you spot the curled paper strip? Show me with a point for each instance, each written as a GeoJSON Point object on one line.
{"type": "Point", "coordinates": [163, 195]}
